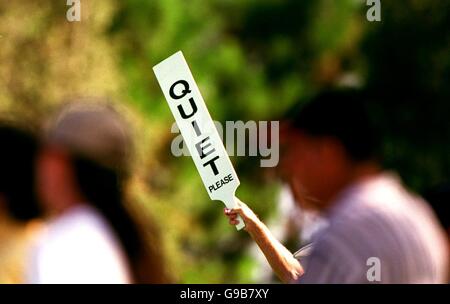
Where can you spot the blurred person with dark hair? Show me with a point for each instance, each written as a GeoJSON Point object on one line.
{"type": "Point", "coordinates": [18, 203]}
{"type": "Point", "coordinates": [92, 236]}
{"type": "Point", "coordinates": [329, 159]}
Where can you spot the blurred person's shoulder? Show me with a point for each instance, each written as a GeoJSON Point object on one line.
{"type": "Point", "coordinates": [380, 218]}
{"type": "Point", "coordinates": [80, 220]}
{"type": "Point", "coordinates": [78, 246]}
{"type": "Point", "coordinates": [381, 198]}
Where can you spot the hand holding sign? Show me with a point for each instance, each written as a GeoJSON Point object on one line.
{"type": "Point", "coordinates": [198, 130]}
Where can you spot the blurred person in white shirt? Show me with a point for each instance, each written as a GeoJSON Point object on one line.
{"type": "Point", "coordinates": [91, 236]}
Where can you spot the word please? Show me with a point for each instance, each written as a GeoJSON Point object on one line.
{"type": "Point", "coordinates": [217, 185]}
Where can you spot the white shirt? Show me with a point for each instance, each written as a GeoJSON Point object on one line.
{"type": "Point", "coordinates": [379, 219]}
{"type": "Point", "coordinates": [78, 247]}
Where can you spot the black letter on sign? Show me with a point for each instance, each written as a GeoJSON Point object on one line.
{"type": "Point", "coordinates": [212, 164]}
{"type": "Point", "coordinates": [201, 150]}
{"type": "Point", "coordinates": [184, 91]}
{"type": "Point", "coordinates": [196, 128]}
{"type": "Point", "coordinates": [194, 109]}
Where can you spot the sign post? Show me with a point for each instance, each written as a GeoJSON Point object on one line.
{"type": "Point", "coordinates": [198, 130]}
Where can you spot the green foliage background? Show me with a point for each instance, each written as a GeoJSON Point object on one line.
{"type": "Point", "coordinates": [253, 60]}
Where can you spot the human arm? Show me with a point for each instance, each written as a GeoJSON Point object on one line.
{"type": "Point", "coordinates": [283, 263]}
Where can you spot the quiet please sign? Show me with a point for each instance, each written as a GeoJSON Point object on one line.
{"type": "Point", "coordinates": [198, 130]}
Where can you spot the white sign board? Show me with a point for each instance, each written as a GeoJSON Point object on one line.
{"type": "Point", "coordinates": [198, 130]}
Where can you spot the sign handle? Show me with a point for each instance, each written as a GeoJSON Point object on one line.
{"type": "Point", "coordinates": [241, 224]}
{"type": "Point", "coordinates": [230, 204]}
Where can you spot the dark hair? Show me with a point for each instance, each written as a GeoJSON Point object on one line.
{"type": "Point", "coordinates": [439, 199]}
{"type": "Point", "coordinates": [103, 188]}
{"type": "Point", "coordinates": [341, 114]}
{"type": "Point", "coordinates": [17, 172]}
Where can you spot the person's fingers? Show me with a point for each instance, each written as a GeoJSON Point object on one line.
{"type": "Point", "coordinates": [234, 211]}
{"type": "Point", "coordinates": [230, 213]}
{"type": "Point", "coordinates": [234, 222]}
